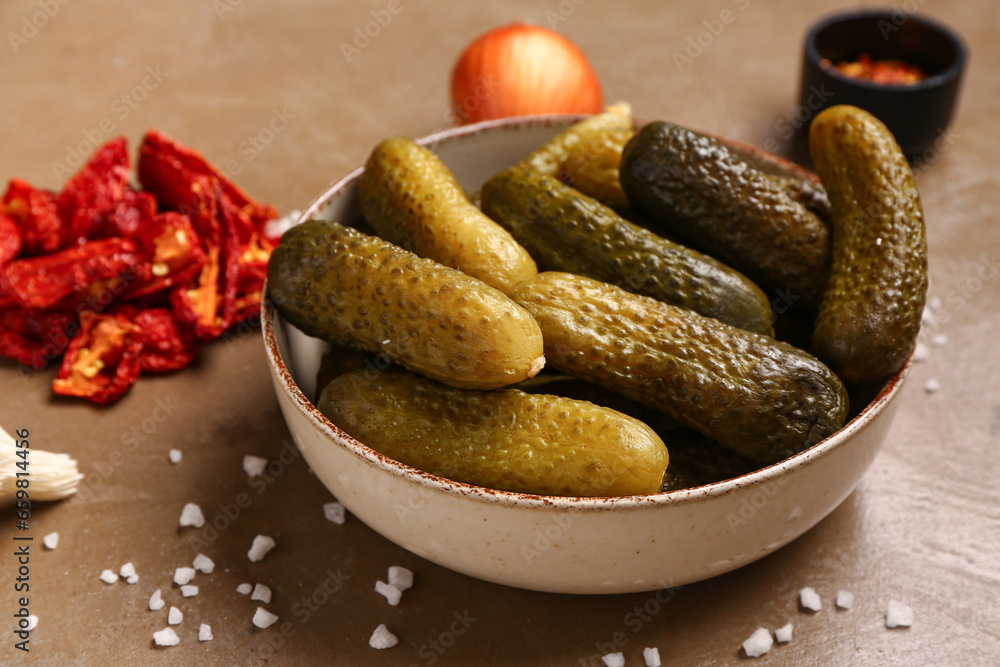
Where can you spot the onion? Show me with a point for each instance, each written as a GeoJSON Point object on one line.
{"type": "Point", "coordinates": [520, 69]}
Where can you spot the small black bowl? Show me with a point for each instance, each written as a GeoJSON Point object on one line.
{"type": "Point", "coordinates": [917, 114]}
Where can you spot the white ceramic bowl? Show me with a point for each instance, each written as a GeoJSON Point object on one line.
{"type": "Point", "coordinates": [567, 545]}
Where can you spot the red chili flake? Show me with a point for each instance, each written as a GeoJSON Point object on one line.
{"type": "Point", "coordinates": [10, 239]}
{"type": "Point", "coordinates": [94, 192]}
{"type": "Point", "coordinates": [36, 214]}
{"type": "Point", "coordinates": [102, 362]}
{"type": "Point", "coordinates": [889, 71]}
{"type": "Point", "coordinates": [167, 345]}
{"type": "Point", "coordinates": [34, 338]}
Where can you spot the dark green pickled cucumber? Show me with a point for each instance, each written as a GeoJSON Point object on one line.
{"type": "Point", "coordinates": [696, 460]}
{"type": "Point", "coordinates": [870, 315]}
{"type": "Point", "coordinates": [761, 397]}
{"type": "Point", "coordinates": [335, 283]}
{"type": "Point", "coordinates": [565, 230]}
{"type": "Point", "coordinates": [504, 439]}
{"type": "Point", "coordinates": [698, 189]}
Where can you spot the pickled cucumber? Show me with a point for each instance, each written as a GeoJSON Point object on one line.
{"type": "Point", "coordinates": [703, 192]}
{"type": "Point", "coordinates": [504, 439]}
{"type": "Point", "coordinates": [338, 284]}
{"type": "Point", "coordinates": [870, 314]}
{"type": "Point", "coordinates": [410, 198]}
{"type": "Point", "coordinates": [567, 231]}
{"type": "Point", "coordinates": [763, 398]}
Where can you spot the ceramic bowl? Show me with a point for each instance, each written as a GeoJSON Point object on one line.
{"type": "Point", "coordinates": [544, 543]}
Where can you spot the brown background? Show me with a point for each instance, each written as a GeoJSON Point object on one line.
{"type": "Point", "coordinates": [923, 527]}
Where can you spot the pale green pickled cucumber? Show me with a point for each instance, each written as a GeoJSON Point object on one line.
{"type": "Point", "coordinates": [763, 398]}
{"type": "Point", "coordinates": [335, 283]}
{"type": "Point", "coordinates": [506, 439]}
{"type": "Point", "coordinates": [412, 199]}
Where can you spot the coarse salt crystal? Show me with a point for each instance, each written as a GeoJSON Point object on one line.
{"type": "Point", "coordinates": [203, 564]}
{"type": "Point", "coordinates": [32, 623]}
{"type": "Point", "coordinates": [262, 593]}
{"type": "Point", "coordinates": [175, 456]}
{"type": "Point", "coordinates": [759, 643]}
{"type": "Point", "coordinates": [174, 616]}
{"type": "Point", "coordinates": [845, 600]}
{"type": "Point", "coordinates": [254, 465]}
{"type": "Point", "coordinates": [156, 601]}
{"type": "Point", "coordinates": [898, 615]}
{"type": "Point", "coordinates": [783, 634]}
{"type": "Point", "coordinates": [921, 353]}
{"type": "Point", "coordinates": [166, 637]}
{"type": "Point", "coordinates": [932, 386]}
{"type": "Point", "coordinates": [243, 589]}
{"type": "Point", "coordinates": [134, 579]}
{"type": "Point", "coordinates": [809, 599]}
{"type": "Point", "coordinates": [262, 618]}
{"type": "Point", "coordinates": [335, 512]}
{"type": "Point", "coordinates": [939, 340]}
{"type": "Point", "coordinates": [400, 577]}
{"type": "Point", "coordinates": [51, 541]}
{"type": "Point", "coordinates": [127, 570]}
{"type": "Point", "coordinates": [614, 660]}
{"type": "Point", "coordinates": [183, 575]}
{"type": "Point", "coordinates": [191, 516]}
{"type": "Point", "coordinates": [261, 545]}
{"type": "Point", "coordinates": [109, 577]}
{"type": "Point", "coordinates": [391, 593]}
{"type": "Point", "coordinates": [205, 633]}
{"type": "Point", "coordinates": [934, 303]}
{"type": "Point", "coordinates": [382, 638]}
{"type": "Point", "coordinates": [651, 656]}
{"type": "Point", "coordinates": [189, 591]}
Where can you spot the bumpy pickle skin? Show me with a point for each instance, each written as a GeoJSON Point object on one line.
{"type": "Point", "coordinates": [870, 315]}
{"type": "Point", "coordinates": [761, 397]}
{"type": "Point", "coordinates": [567, 231]}
{"type": "Point", "coordinates": [349, 288]}
{"type": "Point", "coordinates": [412, 199]}
{"type": "Point", "coordinates": [506, 439]}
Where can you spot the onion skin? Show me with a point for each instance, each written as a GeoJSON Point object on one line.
{"type": "Point", "coordinates": [519, 70]}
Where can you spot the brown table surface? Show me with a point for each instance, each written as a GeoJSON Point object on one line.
{"type": "Point", "coordinates": [923, 527]}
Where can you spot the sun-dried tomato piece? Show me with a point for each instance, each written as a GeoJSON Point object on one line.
{"type": "Point", "coordinates": [44, 282]}
{"type": "Point", "coordinates": [35, 338]}
{"type": "Point", "coordinates": [167, 345]}
{"type": "Point", "coordinates": [102, 362]}
{"type": "Point", "coordinates": [173, 252]}
{"type": "Point", "coordinates": [91, 195]}
{"type": "Point", "coordinates": [36, 214]}
{"type": "Point", "coordinates": [10, 239]}
{"type": "Point", "coordinates": [130, 215]}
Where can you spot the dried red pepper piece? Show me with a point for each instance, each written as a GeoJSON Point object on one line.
{"type": "Point", "coordinates": [10, 239]}
{"type": "Point", "coordinates": [166, 344]}
{"type": "Point", "coordinates": [94, 192]}
{"type": "Point", "coordinates": [102, 362]}
{"type": "Point", "coordinates": [36, 214]}
{"type": "Point", "coordinates": [34, 338]}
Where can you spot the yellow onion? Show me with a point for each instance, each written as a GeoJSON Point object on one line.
{"type": "Point", "coordinates": [521, 69]}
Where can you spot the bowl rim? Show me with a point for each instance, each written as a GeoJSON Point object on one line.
{"type": "Point", "coordinates": [950, 73]}
{"type": "Point", "coordinates": [270, 319]}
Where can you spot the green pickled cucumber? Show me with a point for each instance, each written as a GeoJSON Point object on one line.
{"type": "Point", "coordinates": [412, 199]}
{"type": "Point", "coordinates": [698, 189]}
{"type": "Point", "coordinates": [763, 398]}
{"type": "Point", "coordinates": [504, 439]}
{"type": "Point", "coordinates": [349, 288]}
{"type": "Point", "coordinates": [870, 315]}
{"type": "Point", "coordinates": [565, 230]}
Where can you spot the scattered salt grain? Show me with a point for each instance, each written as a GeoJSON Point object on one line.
{"type": "Point", "coordinates": [809, 599]}
{"type": "Point", "coordinates": [783, 634]}
{"type": "Point", "coordinates": [845, 600]}
{"type": "Point", "coordinates": [203, 564]}
{"type": "Point", "coordinates": [191, 516]}
{"type": "Point", "coordinates": [166, 637]}
{"type": "Point", "coordinates": [932, 386]}
{"type": "Point", "coordinates": [391, 593]}
{"type": "Point", "coordinates": [51, 541]}
{"type": "Point", "coordinates": [243, 589]}
{"type": "Point", "coordinates": [174, 616]}
{"type": "Point", "coordinates": [939, 340]}
{"type": "Point", "coordinates": [156, 601]}
{"type": "Point", "coordinates": [134, 579]}
{"type": "Point", "coordinates": [261, 545]}
{"type": "Point", "coordinates": [651, 656]}
{"type": "Point", "coordinates": [262, 618]}
{"type": "Point", "coordinates": [205, 633]}
{"type": "Point", "coordinates": [614, 660]}
{"type": "Point", "coordinates": [400, 577]}
{"type": "Point", "coordinates": [934, 303]}
{"type": "Point", "coordinates": [382, 638]}
{"type": "Point", "coordinates": [32, 623]}
{"type": "Point", "coordinates": [254, 465]}
{"type": "Point", "coordinates": [898, 615]}
{"type": "Point", "coordinates": [759, 643]}
{"type": "Point", "coordinates": [175, 456]}
{"type": "Point", "coordinates": [335, 512]}
{"type": "Point", "coordinates": [127, 570]}
{"type": "Point", "coordinates": [183, 575]}
{"type": "Point", "coordinates": [109, 577]}
{"type": "Point", "coordinates": [189, 591]}
{"type": "Point", "coordinates": [262, 593]}
{"type": "Point", "coordinates": [921, 353]}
